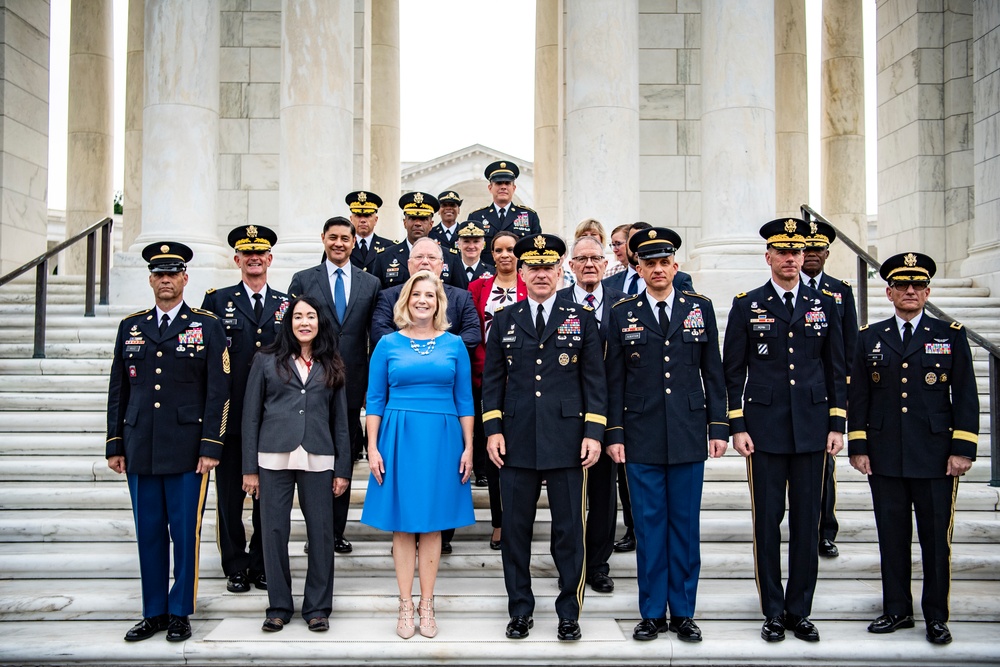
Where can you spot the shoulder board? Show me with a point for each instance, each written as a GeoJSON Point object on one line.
{"type": "Point", "coordinates": [209, 290]}
{"type": "Point", "coordinates": [863, 328]}
{"type": "Point", "coordinates": [741, 295]}
{"type": "Point", "coordinates": [205, 312]}
{"type": "Point", "coordinates": [138, 312]}
{"type": "Point", "coordinates": [626, 300]}
{"type": "Point", "coordinates": [695, 294]}
{"type": "Point", "coordinates": [483, 208]}
{"type": "Point", "coordinates": [956, 325]}
{"type": "Point", "coordinates": [527, 208]}
{"type": "Point", "coordinates": [846, 283]}
{"type": "Point", "coordinates": [827, 292]}
{"type": "Point", "coordinates": [453, 251]}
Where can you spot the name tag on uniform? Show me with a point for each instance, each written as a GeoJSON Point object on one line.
{"type": "Point", "coordinates": [632, 335]}
{"type": "Point", "coordinates": [761, 326]}
{"type": "Point", "coordinates": [937, 348]}
{"type": "Point", "coordinates": [230, 321]}
{"type": "Point", "coordinates": [509, 339]}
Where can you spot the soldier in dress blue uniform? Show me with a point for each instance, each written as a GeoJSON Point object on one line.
{"type": "Point", "coordinates": [418, 216]}
{"type": "Point", "coordinates": [502, 213]}
{"type": "Point", "coordinates": [364, 207]}
{"type": "Point", "coordinates": [470, 247]}
{"type": "Point", "coordinates": [446, 231]}
{"type": "Point", "coordinates": [914, 432]}
{"type": "Point", "coordinates": [666, 398]}
{"type": "Point", "coordinates": [814, 257]}
{"type": "Point", "coordinates": [168, 404]}
{"type": "Point", "coordinates": [251, 312]}
{"type": "Point", "coordinates": [544, 406]}
{"type": "Point", "coordinates": [783, 358]}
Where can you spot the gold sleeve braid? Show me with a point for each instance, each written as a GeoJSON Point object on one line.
{"type": "Point", "coordinates": [225, 416]}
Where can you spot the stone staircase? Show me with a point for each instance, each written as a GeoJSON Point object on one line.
{"type": "Point", "coordinates": [69, 571]}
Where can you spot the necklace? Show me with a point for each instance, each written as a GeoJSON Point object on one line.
{"type": "Point", "coordinates": [307, 362]}
{"type": "Point", "coordinates": [424, 349]}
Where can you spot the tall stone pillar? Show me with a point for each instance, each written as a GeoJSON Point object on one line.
{"type": "Point", "coordinates": [135, 76]}
{"type": "Point", "coordinates": [548, 113]}
{"type": "Point", "coordinates": [791, 117]}
{"type": "Point", "coordinates": [601, 168]}
{"type": "Point", "coordinates": [737, 145]}
{"type": "Point", "coordinates": [90, 140]}
{"type": "Point", "coordinates": [385, 165]}
{"type": "Point", "coordinates": [24, 133]}
{"type": "Point", "coordinates": [842, 131]}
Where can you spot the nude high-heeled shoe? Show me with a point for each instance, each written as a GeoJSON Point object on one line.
{"type": "Point", "coordinates": [428, 626]}
{"type": "Point", "coordinates": [404, 626]}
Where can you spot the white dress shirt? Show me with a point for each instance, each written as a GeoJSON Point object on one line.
{"type": "Point", "coordinates": [546, 307]}
{"type": "Point", "coordinates": [629, 272]}
{"type": "Point", "coordinates": [171, 314]}
{"type": "Point", "coordinates": [331, 269]}
{"type": "Point", "coordinates": [250, 293]}
{"type": "Point", "coordinates": [914, 322]}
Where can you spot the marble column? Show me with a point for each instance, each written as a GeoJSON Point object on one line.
{"type": "Point", "coordinates": [134, 82]}
{"type": "Point", "coordinates": [90, 138]}
{"type": "Point", "coordinates": [737, 146]}
{"type": "Point", "coordinates": [385, 165]}
{"type": "Point", "coordinates": [548, 113]}
{"type": "Point", "coordinates": [842, 131]}
{"type": "Point", "coordinates": [791, 116]}
{"type": "Point", "coordinates": [601, 168]}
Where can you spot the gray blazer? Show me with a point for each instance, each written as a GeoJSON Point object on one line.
{"type": "Point", "coordinates": [278, 416]}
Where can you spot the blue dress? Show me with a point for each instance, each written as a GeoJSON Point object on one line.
{"type": "Point", "coordinates": [420, 398]}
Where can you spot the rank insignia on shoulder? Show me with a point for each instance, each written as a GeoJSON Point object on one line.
{"type": "Point", "coordinates": [827, 292]}
{"type": "Point", "coordinates": [588, 308]}
{"type": "Point", "coordinates": [846, 283]}
{"type": "Point", "coordinates": [695, 294]}
{"type": "Point", "coordinates": [379, 249]}
{"type": "Point", "coordinates": [741, 295]}
{"type": "Point", "coordinates": [956, 325]}
{"type": "Point", "coordinates": [864, 327]}
{"type": "Point", "coordinates": [209, 290]}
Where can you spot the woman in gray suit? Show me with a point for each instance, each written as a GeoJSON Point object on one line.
{"type": "Point", "coordinates": [295, 435]}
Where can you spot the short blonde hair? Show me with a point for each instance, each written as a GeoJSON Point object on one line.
{"type": "Point", "coordinates": [590, 225]}
{"type": "Point", "coordinates": [401, 311]}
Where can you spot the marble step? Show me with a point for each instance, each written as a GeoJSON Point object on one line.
{"type": "Point", "coordinates": [86, 525]}
{"type": "Point", "coordinates": [57, 350]}
{"type": "Point", "coordinates": [99, 335]}
{"type": "Point", "coordinates": [55, 367]}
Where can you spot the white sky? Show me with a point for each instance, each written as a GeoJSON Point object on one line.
{"type": "Point", "coordinates": [450, 70]}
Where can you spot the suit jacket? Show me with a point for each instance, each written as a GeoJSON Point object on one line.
{"type": "Point", "coordinates": [437, 233]}
{"type": "Point", "coordinates": [378, 246]}
{"type": "Point", "coordinates": [913, 408]}
{"type": "Point", "coordinates": [611, 297]}
{"type": "Point", "coordinates": [544, 394]}
{"type": "Point", "coordinates": [682, 281]}
{"type": "Point", "coordinates": [282, 413]}
{"type": "Point", "coordinates": [785, 374]}
{"type": "Point", "coordinates": [353, 333]}
{"type": "Point", "coordinates": [461, 314]}
{"type": "Point", "coordinates": [844, 297]}
{"type": "Point", "coordinates": [480, 291]}
{"type": "Point", "coordinates": [520, 220]}
{"type": "Point", "coordinates": [666, 390]}
{"type": "Point", "coordinates": [244, 336]}
{"type": "Point", "coordinates": [391, 266]}
{"type": "Point", "coordinates": [168, 396]}
{"type": "Point", "coordinates": [483, 270]}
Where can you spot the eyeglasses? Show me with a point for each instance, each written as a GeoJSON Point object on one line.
{"type": "Point", "coordinates": [584, 259]}
{"type": "Point", "coordinates": [617, 244]}
{"type": "Point", "coordinates": [905, 285]}
{"type": "Point", "coordinates": [426, 258]}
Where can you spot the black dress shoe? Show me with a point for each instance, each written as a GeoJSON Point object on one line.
{"type": "Point", "coordinates": [887, 623]}
{"type": "Point", "coordinates": [495, 544]}
{"type": "Point", "coordinates": [319, 624]}
{"type": "Point", "coordinates": [627, 543]}
{"type": "Point", "coordinates": [179, 629]}
{"type": "Point", "coordinates": [828, 549]}
{"type": "Point", "coordinates": [802, 627]}
{"type": "Point", "coordinates": [938, 633]}
{"type": "Point", "coordinates": [518, 627]}
{"type": "Point", "coordinates": [649, 629]}
{"type": "Point", "coordinates": [685, 627]}
{"type": "Point", "coordinates": [481, 481]}
{"type": "Point", "coordinates": [258, 579]}
{"type": "Point", "coordinates": [305, 547]}
{"type": "Point", "coordinates": [446, 548]}
{"type": "Point", "coordinates": [238, 583]}
{"type": "Point", "coordinates": [601, 583]}
{"type": "Point", "coordinates": [569, 630]}
{"type": "Point", "coordinates": [773, 630]}
{"type": "Point", "coordinates": [147, 627]}
{"type": "Point", "coordinates": [272, 625]}
{"type": "Point", "coordinates": [342, 546]}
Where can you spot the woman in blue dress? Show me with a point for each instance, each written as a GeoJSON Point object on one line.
{"type": "Point", "coordinates": [419, 420]}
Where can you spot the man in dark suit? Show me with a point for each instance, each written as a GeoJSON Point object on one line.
{"type": "Point", "coordinates": [391, 266]}
{"type": "Point", "coordinates": [502, 214]}
{"type": "Point", "coordinates": [814, 257]}
{"type": "Point", "coordinates": [364, 207]}
{"type": "Point", "coordinates": [446, 231]}
{"type": "Point", "coordinates": [168, 401]}
{"type": "Point", "coordinates": [914, 432]}
{"type": "Point", "coordinates": [348, 294]}
{"type": "Point", "coordinates": [587, 262]}
{"type": "Point", "coordinates": [470, 247]}
{"type": "Point", "coordinates": [544, 404]}
{"type": "Point", "coordinates": [250, 312]}
{"type": "Point", "coordinates": [784, 364]}
{"type": "Point", "coordinates": [666, 393]}
{"type": "Point", "coordinates": [629, 280]}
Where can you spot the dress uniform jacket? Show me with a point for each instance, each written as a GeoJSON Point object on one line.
{"type": "Point", "coordinates": [391, 266]}
{"type": "Point", "coordinates": [168, 396]}
{"type": "Point", "coordinates": [843, 296]}
{"type": "Point", "coordinates": [520, 220]}
{"type": "Point", "coordinates": [482, 270]}
{"type": "Point", "coordinates": [438, 234]}
{"type": "Point", "coordinates": [378, 245]}
{"type": "Point", "coordinates": [911, 409]}
{"type": "Point", "coordinates": [665, 390]}
{"type": "Point", "coordinates": [611, 297]}
{"type": "Point", "coordinates": [544, 394]}
{"type": "Point", "coordinates": [785, 374]}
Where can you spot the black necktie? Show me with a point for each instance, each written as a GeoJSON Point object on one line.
{"type": "Point", "coordinates": [540, 320]}
{"type": "Point", "coordinates": [812, 283]}
{"type": "Point", "coordinates": [258, 306]}
{"type": "Point", "coordinates": [663, 317]}
{"type": "Point", "coordinates": [633, 287]}
{"type": "Point", "coordinates": [469, 272]}
{"type": "Point", "coordinates": [501, 214]}
{"type": "Point", "coordinates": [164, 321]}
{"type": "Point", "coordinates": [788, 302]}
{"type": "Point", "coordinates": [907, 334]}
{"type": "Point", "coordinates": [364, 248]}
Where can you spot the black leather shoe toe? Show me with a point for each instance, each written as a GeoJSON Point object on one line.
{"type": "Point", "coordinates": [481, 481]}
{"type": "Point", "coordinates": [938, 633]}
{"type": "Point", "coordinates": [887, 623]}
{"type": "Point", "coordinates": [146, 628]}
{"type": "Point", "coordinates": [237, 583]}
{"type": "Point", "coordinates": [601, 583]}
{"type": "Point", "coordinates": [649, 629]}
{"type": "Point", "coordinates": [687, 630]}
{"type": "Point", "coordinates": [569, 630]}
{"type": "Point", "coordinates": [342, 546]}
{"type": "Point", "coordinates": [627, 543]}
{"type": "Point", "coordinates": [518, 627]}
{"type": "Point", "coordinates": [828, 549]}
{"type": "Point", "coordinates": [179, 629]}
{"type": "Point", "coordinates": [773, 630]}
{"type": "Point", "coordinates": [802, 628]}
{"type": "Point", "coordinates": [446, 548]}
{"type": "Point", "coordinates": [258, 579]}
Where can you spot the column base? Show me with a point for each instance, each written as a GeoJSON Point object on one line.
{"type": "Point", "coordinates": [983, 266]}
{"type": "Point", "coordinates": [722, 269]}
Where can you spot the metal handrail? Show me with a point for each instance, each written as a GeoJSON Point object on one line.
{"type": "Point", "coordinates": [41, 266]}
{"type": "Point", "coordinates": [864, 261]}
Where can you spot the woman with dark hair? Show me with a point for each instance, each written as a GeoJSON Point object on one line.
{"type": "Point", "coordinates": [488, 294]}
{"type": "Point", "coordinates": [295, 436]}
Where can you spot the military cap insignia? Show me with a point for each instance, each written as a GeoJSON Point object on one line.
{"type": "Point", "coordinates": [418, 198]}
{"type": "Point", "coordinates": [910, 259]}
{"type": "Point", "coordinates": [790, 226]}
{"type": "Point", "coordinates": [503, 165]}
{"type": "Point", "coordinates": [164, 248]}
{"type": "Point", "coordinates": [252, 231]}
{"type": "Point", "coordinates": [652, 233]}
{"type": "Point", "coordinates": [452, 195]}
{"type": "Point", "coordinates": [539, 241]}
{"type": "Point", "coordinates": [813, 228]}
{"type": "Point", "coordinates": [209, 290]}
{"type": "Point", "coordinates": [362, 197]}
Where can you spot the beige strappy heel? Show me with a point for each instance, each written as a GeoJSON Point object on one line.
{"type": "Point", "coordinates": [404, 626]}
{"type": "Point", "coordinates": [428, 626]}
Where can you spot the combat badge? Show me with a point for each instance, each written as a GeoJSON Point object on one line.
{"type": "Point", "coordinates": [876, 377]}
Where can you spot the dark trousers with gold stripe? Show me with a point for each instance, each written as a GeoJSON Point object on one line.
{"type": "Point", "coordinates": [770, 475]}
{"type": "Point", "coordinates": [933, 503]}
{"type": "Point", "coordinates": [519, 491]}
{"type": "Point", "coordinates": [165, 508]}
{"type": "Point", "coordinates": [828, 524]}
